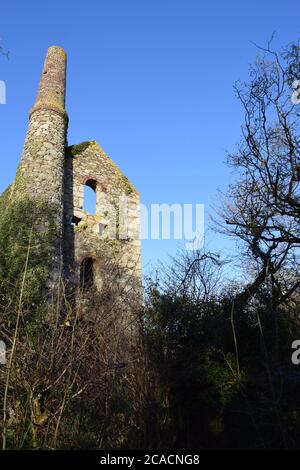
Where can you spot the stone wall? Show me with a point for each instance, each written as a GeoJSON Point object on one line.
{"type": "Point", "coordinates": [113, 232]}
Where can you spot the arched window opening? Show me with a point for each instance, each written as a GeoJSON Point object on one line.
{"type": "Point", "coordinates": [87, 274]}
{"type": "Point", "coordinates": [89, 197]}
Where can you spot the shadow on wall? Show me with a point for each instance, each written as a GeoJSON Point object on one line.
{"type": "Point", "coordinates": [69, 222]}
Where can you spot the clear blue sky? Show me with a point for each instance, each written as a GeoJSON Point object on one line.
{"type": "Point", "coordinates": [150, 80]}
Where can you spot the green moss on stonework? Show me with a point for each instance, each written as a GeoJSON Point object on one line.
{"type": "Point", "coordinates": [128, 186]}
{"type": "Point", "coordinates": [5, 198]}
{"type": "Point", "coordinates": [77, 149]}
{"type": "Point", "coordinates": [81, 227]}
{"type": "Point", "coordinates": [27, 225]}
{"type": "Point", "coordinates": [50, 105]}
{"type": "Point", "coordinates": [34, 146]}
{"type": "Point", "coordinates": [19, 182]}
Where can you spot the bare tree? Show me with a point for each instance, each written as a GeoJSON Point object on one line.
{"type": "Point", "coordinates": [262, 207]}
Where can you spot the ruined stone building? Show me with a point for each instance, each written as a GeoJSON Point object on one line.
{"type": "Point", "coordinates": [55, 174]}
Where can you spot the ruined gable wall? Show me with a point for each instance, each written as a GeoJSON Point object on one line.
{"type": "Point", "coordinates": [87, 162]}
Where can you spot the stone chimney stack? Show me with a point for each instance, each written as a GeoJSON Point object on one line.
{"type": "Point", "coordinates": [52, 89]}
{"type": "Point", "coordinates": [41, 172]}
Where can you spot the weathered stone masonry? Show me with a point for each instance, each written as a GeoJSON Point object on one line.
{"type": "Point", "coordinates": [52, 172]}
{"type": "Point", "coordinates": [87, 164]}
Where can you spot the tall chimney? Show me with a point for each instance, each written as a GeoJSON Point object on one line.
{"type": "Point", "coordinates": [41, 172]}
